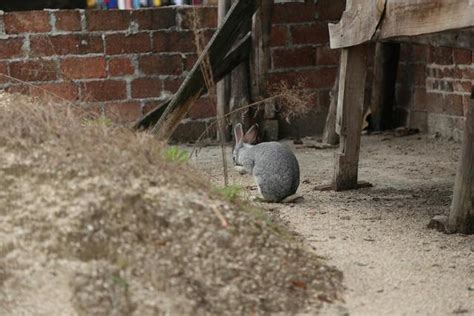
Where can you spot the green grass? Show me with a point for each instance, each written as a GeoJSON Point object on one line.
{"type": "Point", "coordinates": [175, 154]}
{"type": "Point", "coordinates": [231, 192]}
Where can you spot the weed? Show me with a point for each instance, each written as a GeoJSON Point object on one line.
{"type": "Point", "coordinates": [120, 281]}
{"type": "Point", "coordinates": [175, 154]}
{"type": "Point", "coordinates": [231, 192]}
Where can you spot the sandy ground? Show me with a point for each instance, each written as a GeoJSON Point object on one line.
{"type": "Point", "coordinates": [392, 264]}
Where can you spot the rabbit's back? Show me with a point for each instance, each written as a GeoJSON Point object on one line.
{"type": "Point", "coordinates": [276, 170]}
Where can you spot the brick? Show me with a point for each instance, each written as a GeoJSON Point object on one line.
{"type": "Point", "coordinates": [419, 99]}
{"type": "Point", "coordinates": [189, 61]}
{"type": "Point", "coordinates": [161, 65]}
{"type": "Point", "coordinates": [68, 20]}
{"type": "Point", "coordinates": [22, 89]}
{"type": "Point", "coordinates": [330, 9]}
{"type": "Point", "coordinates": [202, 108]}
{"type": "Point", "coordinates": [27, 22]}
{"type": "Point", "coordinates": [466, 102]}
{"type": "Point", "coordinates": [151, 105]}
{"type": "Point", "coordinates": [103, 90]}
{"type": "Point", "coordinates": [420, 74]}
{"type": "Point", "coordinates": [206, 17]}
{"type": "Point", "coordinates": [127, 44]}
{"type": "Point", "coordinates": [3, 71]}
{"type": "Point", "coordinates": [123, 111]}
{"type": "Point", "coordinates": [450, 104]}
{"type": "Point", "coordinates": [82, 68]}
{"type": "Point", "coordinates": [279, 35]}
{"type": "Point", "coordinates": [441, 55]}
{"type": "Point", "coordinates": [320, 78]}
{"type": "Point", "coordinates": [324, 99]}
{"type": "Point", "coordinates": [293, 13]}
{"type": "Point", "coordinates": [327, 56]}
{"type": "Point", "coordinates": [120, 66]}
{"type": "Point", "coordinates": [11, 47]}
{"type": "Point", "coordinates": [173, 41]}
{"type": "Point", "coordinates": [42, 70]}
{"type": "Point", "coordinates": [156, 19]}
{"type": "Point", "coordinates": [146, 88]}
{"type": "Point", "coordinates": [414, 52]}
{"type": "Point", "coordinates": [462, 86]}
{"type": "Point", "coordinates": [73, 44]}
{"type": "Point", "coordinates": [293, 57]}
{"type": "Point", "coordinates": [57, 91]}
{"type": "Point", "coordinates": [462, 56]}
{"type": "Point", "coordinates": [108, 20]}
{"type": "Point", "coordinates": [310, 34]}
{"type": "Point", "coordinates": [172, 85]}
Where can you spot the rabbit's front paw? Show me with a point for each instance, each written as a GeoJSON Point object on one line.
{"type": "Point", "coordinates": [240, 169]}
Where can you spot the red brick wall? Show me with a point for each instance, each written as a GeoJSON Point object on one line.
{"type": "Point", "coordinates": [434, 87]}
{"type": "Point", "coordinates": [300, 51]}
{"type": "Point", "coordinates": [124, 63]}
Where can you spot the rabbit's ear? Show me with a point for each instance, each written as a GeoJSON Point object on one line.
{"type": "Point", "coordinates": [238, 133]}
{"type": "Point", "coordinates": [251, 135]}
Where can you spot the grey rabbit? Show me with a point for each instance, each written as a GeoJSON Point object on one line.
{"type": "Point", "coordinates": [274, 166]}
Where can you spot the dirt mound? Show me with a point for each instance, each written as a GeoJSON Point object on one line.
{"type": "Point", "coordinates": [94, 221]}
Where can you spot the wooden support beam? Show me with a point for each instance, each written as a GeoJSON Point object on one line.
{"type": "Point", "coordinates": [330, 136]}
{"type": "Point", "coordinates": [223, 86]}
{"type": "Point", "coordinates": [458, 39]}
{"type": "Point", "coordinates": [352, 77]}
{"type": "Point", "coordinates": [221, 68]}
{"type": "Point", "coordinates": [383, 85]}
{"type": "Point", "coordinates": [262, 28]}
{"type": "Point", "coordinates": [216, 50]}
{"type": "Point", "coordinates": [365, 21]}
{"type": "Point", "coordinates": [461, 217]}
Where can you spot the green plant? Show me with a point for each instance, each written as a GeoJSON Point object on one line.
{"type": "Point", "coordinates": [120, 281]}
{"type": "Point", "coordinates": [230, 192]}
{"type": "Point", "coordinates": [101, 120]}
{"type": "Point", "coordinates": [175, 154]}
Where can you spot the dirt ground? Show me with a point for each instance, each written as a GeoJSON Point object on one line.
{"type": "Point", "coordinates": [378, 237]}
{"type": "Point", "coordinates": [98, 220]}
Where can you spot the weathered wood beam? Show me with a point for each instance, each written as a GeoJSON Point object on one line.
{"type": "Point", "coordinates": [223, 86]}
{"type": "Point", "coordinates": [391, 19]}
{"type": "Point", "coordinates": [192, 87]}
{"type": "Point", "coordinates": [358, 23]}
{"type": "Point", "coordinates": [330, 136]}
{"type": "Point", "coordinates": [459, 39]}
{"type": "Point", "coordinates": [461, 217]}
{"type": "Point", "coordinates": [352, 77]}
{"type": "Point", "coordinates": [221, 68]}
{"type": "Point", "coordinates": [262, 27]}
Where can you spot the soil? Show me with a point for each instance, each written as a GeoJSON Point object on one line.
{"type": "Point", "coordinates": [97, 220]}
{"type": "Point", "coordinates": [378, 236]}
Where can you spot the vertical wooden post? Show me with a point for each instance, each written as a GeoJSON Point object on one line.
{"type": "Point", "coordinates": [461, 217]}
{"type": "Point", "coordinates": [383, 85]}
{"type": "Point", "coordinates": [352, 77]}
{"type": "Point", "coordinates": [330, 136]}
{"type": "Point", "coordinates": [262, 27]}
{"type": "Point", "coordinates": [223, 86]}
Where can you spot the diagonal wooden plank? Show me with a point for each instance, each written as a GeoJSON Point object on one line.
{"type": "Point", "coordinates": [193, 86]}
{"type": "Point", "coordinates": [220, 68]}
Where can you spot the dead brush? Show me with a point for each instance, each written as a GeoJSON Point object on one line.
{"type": "Point", "coordinates": [292, 101]}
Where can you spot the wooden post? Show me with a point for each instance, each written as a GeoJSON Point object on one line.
{"type": "Point", "coordinates": [461, 217]}
{"type": "Point", "coordinates": [383, 85]}
{"type": "Point", "coordinates": [262, 28]}
{"type": "Point", "coordinates": [330, 136]}
{"type": "Point", "coordinates": [350, 104]}
{"type": "Point", "coordinates": [223, 86]}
